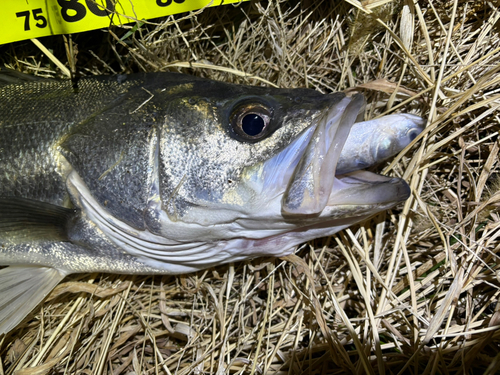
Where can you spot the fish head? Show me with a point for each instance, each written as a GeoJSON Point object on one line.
{"type": "Point", "coordinates": [257, 166]}
{"type": "Point", "coordinates": [227, 173]}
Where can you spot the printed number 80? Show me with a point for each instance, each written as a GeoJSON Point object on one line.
{"type": "Point", "coordinates": [166, 3]}
{"type": "Point", "coordinates": [80, 11]}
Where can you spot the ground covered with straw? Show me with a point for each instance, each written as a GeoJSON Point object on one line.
{"type": "Point", "coordinates": [410, 291]}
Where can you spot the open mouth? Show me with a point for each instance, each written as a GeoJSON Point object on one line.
{"type": "Point", "coordinates": [307, 167]}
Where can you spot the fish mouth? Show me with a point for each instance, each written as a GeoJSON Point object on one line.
{"type": "Point", "coordinates": [306, 170]}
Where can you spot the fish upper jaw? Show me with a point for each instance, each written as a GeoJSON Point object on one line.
{"type": "Point", "coordinates": [312, 180]}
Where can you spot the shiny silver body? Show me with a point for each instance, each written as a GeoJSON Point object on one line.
{"type": "Point", "coordinates": [154, 173]}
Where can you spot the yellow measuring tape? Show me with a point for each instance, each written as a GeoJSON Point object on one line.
{"type": "Point", "coordinates": [26, 19]}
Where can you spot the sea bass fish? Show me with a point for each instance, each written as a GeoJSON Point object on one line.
{"type": "Point", "coordinates": [163, 173]}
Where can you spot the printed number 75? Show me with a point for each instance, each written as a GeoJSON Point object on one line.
{"type": "Point", "coordinates": [37, 15]}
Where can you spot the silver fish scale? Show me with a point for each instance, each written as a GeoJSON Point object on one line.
{"type": "Point", "coordinates": [111, 152]}
{"type": "Point", "coordinates": [30, 134]}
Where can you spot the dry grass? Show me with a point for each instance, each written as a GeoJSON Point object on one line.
{"type": "Point", "coordinates": [346, 304]}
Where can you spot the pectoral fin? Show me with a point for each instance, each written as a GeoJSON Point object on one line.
{"type": "Point", "coordinates": [21, 290]}
{"type": "Point", "coordinates": [24, 220]}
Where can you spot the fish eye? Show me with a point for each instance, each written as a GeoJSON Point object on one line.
{"type": "Point", "coordinates": [251, 121]}
{"type": "Point", "coordinates": [412, 134]}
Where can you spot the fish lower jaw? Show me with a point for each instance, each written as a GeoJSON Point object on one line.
{"type": "Point", "coordinates": [285, 243]}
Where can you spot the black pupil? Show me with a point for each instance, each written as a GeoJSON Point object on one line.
{"type": "Point", "coordinates": [252, 124]}
{"type": "Point", "coordinates": [413, 135]}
